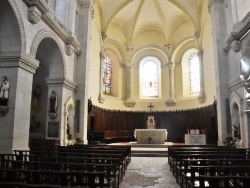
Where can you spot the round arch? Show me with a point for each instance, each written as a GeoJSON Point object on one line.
{"type": "Point", "coordinates": [43, 34]}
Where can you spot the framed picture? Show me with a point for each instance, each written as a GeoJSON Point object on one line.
{"type": "Point", "coordinates": [151, 120]}
{"type": "Point", "coordinates": [53, 129]}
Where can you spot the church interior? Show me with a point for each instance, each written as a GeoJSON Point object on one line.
{"type": "Point", "coordinates": [107, 72]}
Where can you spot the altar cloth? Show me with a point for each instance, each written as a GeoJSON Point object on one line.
{"type": "Point", "coordinates": [151, 136]}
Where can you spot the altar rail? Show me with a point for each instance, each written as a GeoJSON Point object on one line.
{"type": "Point", "coordinates": [112, 136]}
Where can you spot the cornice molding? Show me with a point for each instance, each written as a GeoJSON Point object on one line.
{"type": "Point", "coordinates": [50, 19]}
{"type": "Point", "coordinates": [238, 31]}
{"type": "Point", "coordinates": [61, 82]}
{"type": "Point", "coordinates": [18, 59]}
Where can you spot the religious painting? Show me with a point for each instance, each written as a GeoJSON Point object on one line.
{"type": "Point", "coordinates": [151, 120]}
{"type": "Point", "coordinates": [53, 130]}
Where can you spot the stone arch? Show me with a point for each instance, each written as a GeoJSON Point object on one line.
{"type": "Point", "coordinates": [43, 34]}
{"type": "Point", "coordinates": [69, 115]}
{"type": "Point", "coordinates": [157, 50]}
{"type": "Point", "coordinates": [21, 37]}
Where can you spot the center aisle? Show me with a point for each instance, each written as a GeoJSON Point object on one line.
{"type": "Point", "coordinates": [149, 172]}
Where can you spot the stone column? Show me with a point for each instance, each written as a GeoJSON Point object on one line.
{"type": "Point", "coordinates": [171, 99]}
{"type": "Point", "coordinates": [216, 9]}
{"type": "Point", "coordinates": [82, 69]}
{"type": "Point", "coordinates": [201, 96]}
{"type": "Point", "coordinates": [129, 67]}
{"type": "Point", "coordinates": [19, 68]}
{"type": "Point", "coordinates": [129, 102]}
{"type": "Point", "coordinates": [101, 97]}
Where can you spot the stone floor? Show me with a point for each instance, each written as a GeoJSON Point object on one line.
{"type": "Point", "coordinates": [148, 172]}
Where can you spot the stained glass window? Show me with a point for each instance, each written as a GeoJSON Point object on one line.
{"type": "Point", "coordinates": [194, 73]}
{"type": "Point", "coordinates": [149, 79]}
{"type": "Point", "coordinates": [107, 67]}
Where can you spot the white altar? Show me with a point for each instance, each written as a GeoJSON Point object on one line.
{"type": "Point", "coordinates": [151, 136]}
{"type": "Point", "coordinates": [195, 139]}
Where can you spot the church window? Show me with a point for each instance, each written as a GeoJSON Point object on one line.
{"type": "Point", "coordinates": [190, 73]}
{"type": "Point", "coordinates": [107, 67]}
{"type": "Point", "coordinates": [194, 74]}
{"type": "Point", "coordinates": [149, 77]}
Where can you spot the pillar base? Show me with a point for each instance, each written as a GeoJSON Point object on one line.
{"type": "Point", "coordinates": [130, 103]}
{"type": "Point", "coordinates": [170, 102]}
{"type": "Point", "coordinates": [101, 98]}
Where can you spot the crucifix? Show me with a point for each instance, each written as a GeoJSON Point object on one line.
{"type": "Point", "coordinates": [150, 106]}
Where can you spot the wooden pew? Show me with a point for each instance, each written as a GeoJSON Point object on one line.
{"type": "Point", "coordinates": [186, 173]}
{"type": "Point", "coordinates": [216, 171]}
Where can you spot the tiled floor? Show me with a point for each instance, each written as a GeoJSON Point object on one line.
{"type": "Point", "coordinates": [148, 172]}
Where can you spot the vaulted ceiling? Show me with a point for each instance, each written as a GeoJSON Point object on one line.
{"type": "Point", "coordinates": [163, 16]}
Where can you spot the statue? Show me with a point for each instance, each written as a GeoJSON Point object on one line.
{"type": "Point", "coordinates": [53, 105]}
{"type": "Point", "coordinates": [4, 92]}
{"type": "Point", "coordinates": [245, 75]}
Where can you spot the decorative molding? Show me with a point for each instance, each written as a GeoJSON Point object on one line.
{"type": "Point", "coordinates": [212, 2]}
{"type": "Point", "coordinates": [236, 45]}
{"type": "Point", "coordinates": [61, 82]}
{"type": "Point", "coordinates": [170, 102]}
{"type": "Point", "coordinates": [101, 98]}
{"type": "Point", "coordinates": [34, 15]}
{"type": "Point", "coordinates": [202, 97]}
{"type": "Point", "coordinates": [18, 17]}
{"type": "Point", "coordinates": [238, 31]}
{"type": "Point", "coordinates": [69, 49]}
{"type": "Point", "coordinates": [84, 3]}
{"type": "Point", "coordinates": [51, 20]}
{"type": "Point", "coordinates": [130, 103]}
{"type": "Point", "coordinates": [169, 46]}
{"type": "Point", "coordinates": [18, 59]}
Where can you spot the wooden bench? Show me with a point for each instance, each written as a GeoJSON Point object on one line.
{"type": "Point", "coordinates": [216, 171]}
{"type": "Point", "coordinates": [186, 173]}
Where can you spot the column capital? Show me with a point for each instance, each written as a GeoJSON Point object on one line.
{"type": "Point", "coordinates": [200, 53]}
{"type": "Point", "coordinates": [130, 47]}
{"type": "Point", "coordinates": [170, 65]}
{"type": "Point", "coordinates": [212, 2]}
{"type": "Point", "coordinates": [129, 66]}
{"type": "Point", "coordinates": [18, 59]}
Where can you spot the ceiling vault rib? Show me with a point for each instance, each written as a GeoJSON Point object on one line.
{"type": "Point", "coordinates": [184, 11]}
{"type": "Point", "coordinates": [136, 19]}
{"type": "Point", "coordinates": [116, 12]}
{"type": "Point", "coordinates": [163, 21]}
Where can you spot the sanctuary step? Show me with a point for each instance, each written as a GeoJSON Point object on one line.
{"type": "Point", "coordinates": [154, 152]}
{"type": "Point", "coordinates": [149, 150]}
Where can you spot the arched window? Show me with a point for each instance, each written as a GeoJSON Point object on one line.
{"type": "Point", "coordinates": [149, 77]}
{"type": "Point", "coordinates": [107, 67]}
{"type": "Point", "coordinates": [190, 73]}
{"type": "Point", "coordinates": [194, 74]}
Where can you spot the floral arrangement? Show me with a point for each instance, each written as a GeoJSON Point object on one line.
{"type": "Point", "coordinates": [230, 141]}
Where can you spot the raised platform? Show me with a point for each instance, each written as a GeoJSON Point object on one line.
{"type": "Point", "coordinates": [147, 150]}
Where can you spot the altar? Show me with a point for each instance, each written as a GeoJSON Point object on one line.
{"type": "Point", "coordinates": [195, 139]}
{"type": "Point", "coordinates": [151, 136]}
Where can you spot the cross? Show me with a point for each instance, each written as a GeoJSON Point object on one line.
{"type": "Point", "coordinates": [150, 106]}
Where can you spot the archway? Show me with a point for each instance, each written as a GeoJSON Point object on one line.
{"type": "Point", "coordinates": [47, 50]}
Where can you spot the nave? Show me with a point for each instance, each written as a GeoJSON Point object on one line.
{"type": "Point", "coordinates": [149, 172]}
